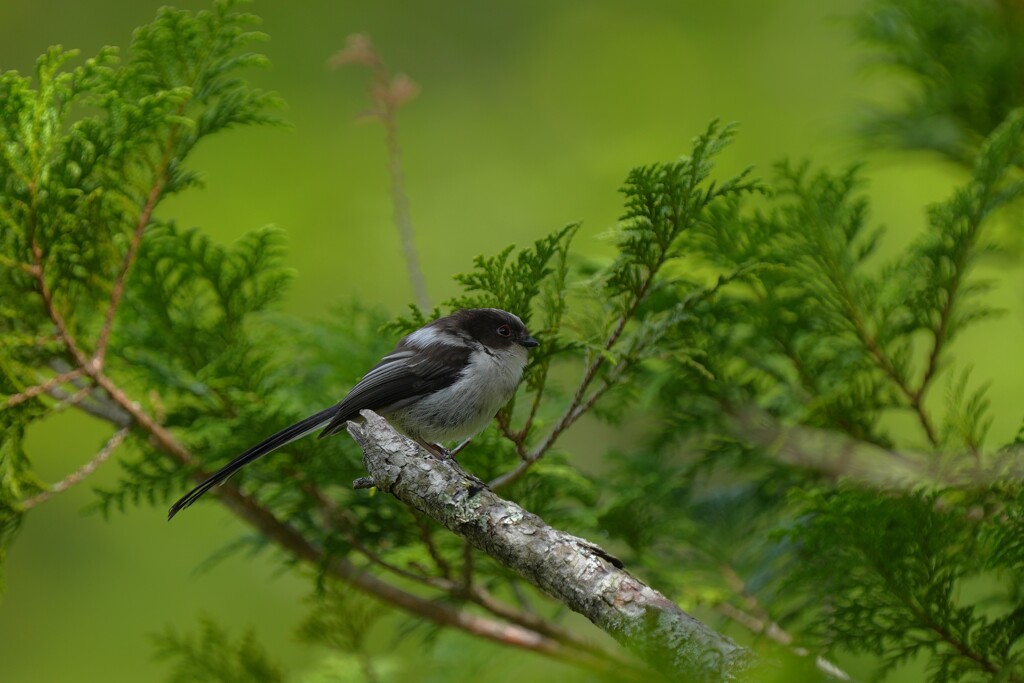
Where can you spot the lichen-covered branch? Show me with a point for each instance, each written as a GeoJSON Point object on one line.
{"type": "Point", "coordinates": [570, 569]}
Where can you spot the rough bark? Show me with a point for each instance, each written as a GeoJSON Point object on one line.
{"type": "Point", "coordinates": [570, 569]}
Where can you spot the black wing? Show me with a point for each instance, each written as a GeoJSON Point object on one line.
{"type": "Point", "coordinates": [399, 379]}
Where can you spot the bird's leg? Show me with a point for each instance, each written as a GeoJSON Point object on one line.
{"type": "Point", "coordinates": [455, 451]}
{"type": "Point", "coordinates": [435, 449]}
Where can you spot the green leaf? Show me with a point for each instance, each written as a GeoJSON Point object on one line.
{"type": "Point", "coordinates": [211, 655]}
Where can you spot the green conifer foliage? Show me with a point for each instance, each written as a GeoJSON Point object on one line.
{"type": "Point", "coordinates": [750, 326]}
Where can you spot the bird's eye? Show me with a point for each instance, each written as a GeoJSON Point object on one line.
{"type": "Point", "coordinates": [505, 331]}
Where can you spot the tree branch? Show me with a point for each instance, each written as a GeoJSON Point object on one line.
{"type": "Point", "coordinates": [339, 567]}
{"type": "Point", "coordinates": [570, 569]}
{"type": "Point", "coordinates": [836, 456]}
{"type": "Point", "coordinates": [293, 542]}
{"type": "Point", "coordinates": [124, 412]}
{"type": "Point", "coordinates": [462, 589]}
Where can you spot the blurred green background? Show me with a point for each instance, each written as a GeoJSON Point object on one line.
{"type": "Point", "coordinates": [530, 115]}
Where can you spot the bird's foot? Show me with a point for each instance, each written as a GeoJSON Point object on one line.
{"type": "Point", "coordinates": [448, 454]}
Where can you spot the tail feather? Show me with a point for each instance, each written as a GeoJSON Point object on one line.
{"type": "Point", "coordinates": [268, 445]}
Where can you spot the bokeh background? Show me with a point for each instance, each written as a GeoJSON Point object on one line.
{"type": "Point", "coordinates": [530, 115]}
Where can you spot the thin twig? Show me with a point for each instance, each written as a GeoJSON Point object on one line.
{"type": "Point", "coordinates": [58, 320]}
{"type": "Point", "coordinates": [762, 623]}
{"type": "Point", "coordinates": [569, 418]}
{"type": "Point", "coordinates": [342, 520]}
{"type": "Point", "coordinates": [941, 331]}
{"type": "Point", "coordinates": [883, 361]}
{"type": "Point", "coordinates": [427, 537]}
{"type": "Point", "coordinates": [535, 403]}
{"type": "Point", "coordinates": [400, 204]}
{"type": "Point", "coordinates": [579, 404]}
{"type": "Point", "coordinates": [8, 262]}
{"type": "Point", "coordinates": [129, 257]}
{"type": "Point", "coordinates": [43, 388]}
{"type": "Point", "coordinates": [81, 473]}
{"type": "Point", "coordinates": [467, 566]}
{"type": "Point", "coordinates": [961, 647]}
{"type": "Point", "coordinates": [518, 438]}
{"type": "Point", "coordinates": [776, 633]}
{"type": "Point", "coordinates": [160, 177]}
{"type": "Point", "coordinates": [387, 94]}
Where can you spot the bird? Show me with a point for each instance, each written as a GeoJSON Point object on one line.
{"type": "Point", "coordinates": [442, 383]}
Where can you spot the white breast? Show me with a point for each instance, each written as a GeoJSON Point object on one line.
{"type": "Point", "coordinates": [467, 405]}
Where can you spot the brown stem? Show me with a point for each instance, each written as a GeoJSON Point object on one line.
{"type": "Point", "coordinates": [467, 567]}
{"type": "Point", "coordinates": [387, 95]}
{"type": "Point", "coordinates": [939, 334]}
{"type": "Point", "coordinates": [534, 406]}
{"type": "Point", "coordinates": [762, 623]}
{"type": "Point", "coordinates": [883, 361]}
{"type": "Point", "coordinates": [155, 193]}
{"type": "Point", "coordinates": [79, 474]}
{"type": "Point", "coordinates": [43, 388]}
{"type": "Point", "coordinates": [532, 457]}
{"type": "Point", "coordinates": [577, 407]}
{"type": "Point", "coordinates": [961, 647]}
{"type": "Point", "coordinates": [341, 520]}
{"type": "Point", "coordinates": [129, 257]}
{"type": "Point", "coordinates": [518, 438]}
{"type": "Point", "coordinates": [428, 541]}
{"type": "Point", "coordinates": [483, 598]}
{"type": "Point", "coordinates": [58, 320]}
{"type": "Point", "coordinates": [400, 207]}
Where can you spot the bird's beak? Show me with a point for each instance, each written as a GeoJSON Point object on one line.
{"type": "Point", "coordinates": [529, 342]}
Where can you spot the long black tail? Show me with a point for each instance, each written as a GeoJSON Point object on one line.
{"type": "Point", "coordinates": [269, 444]}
